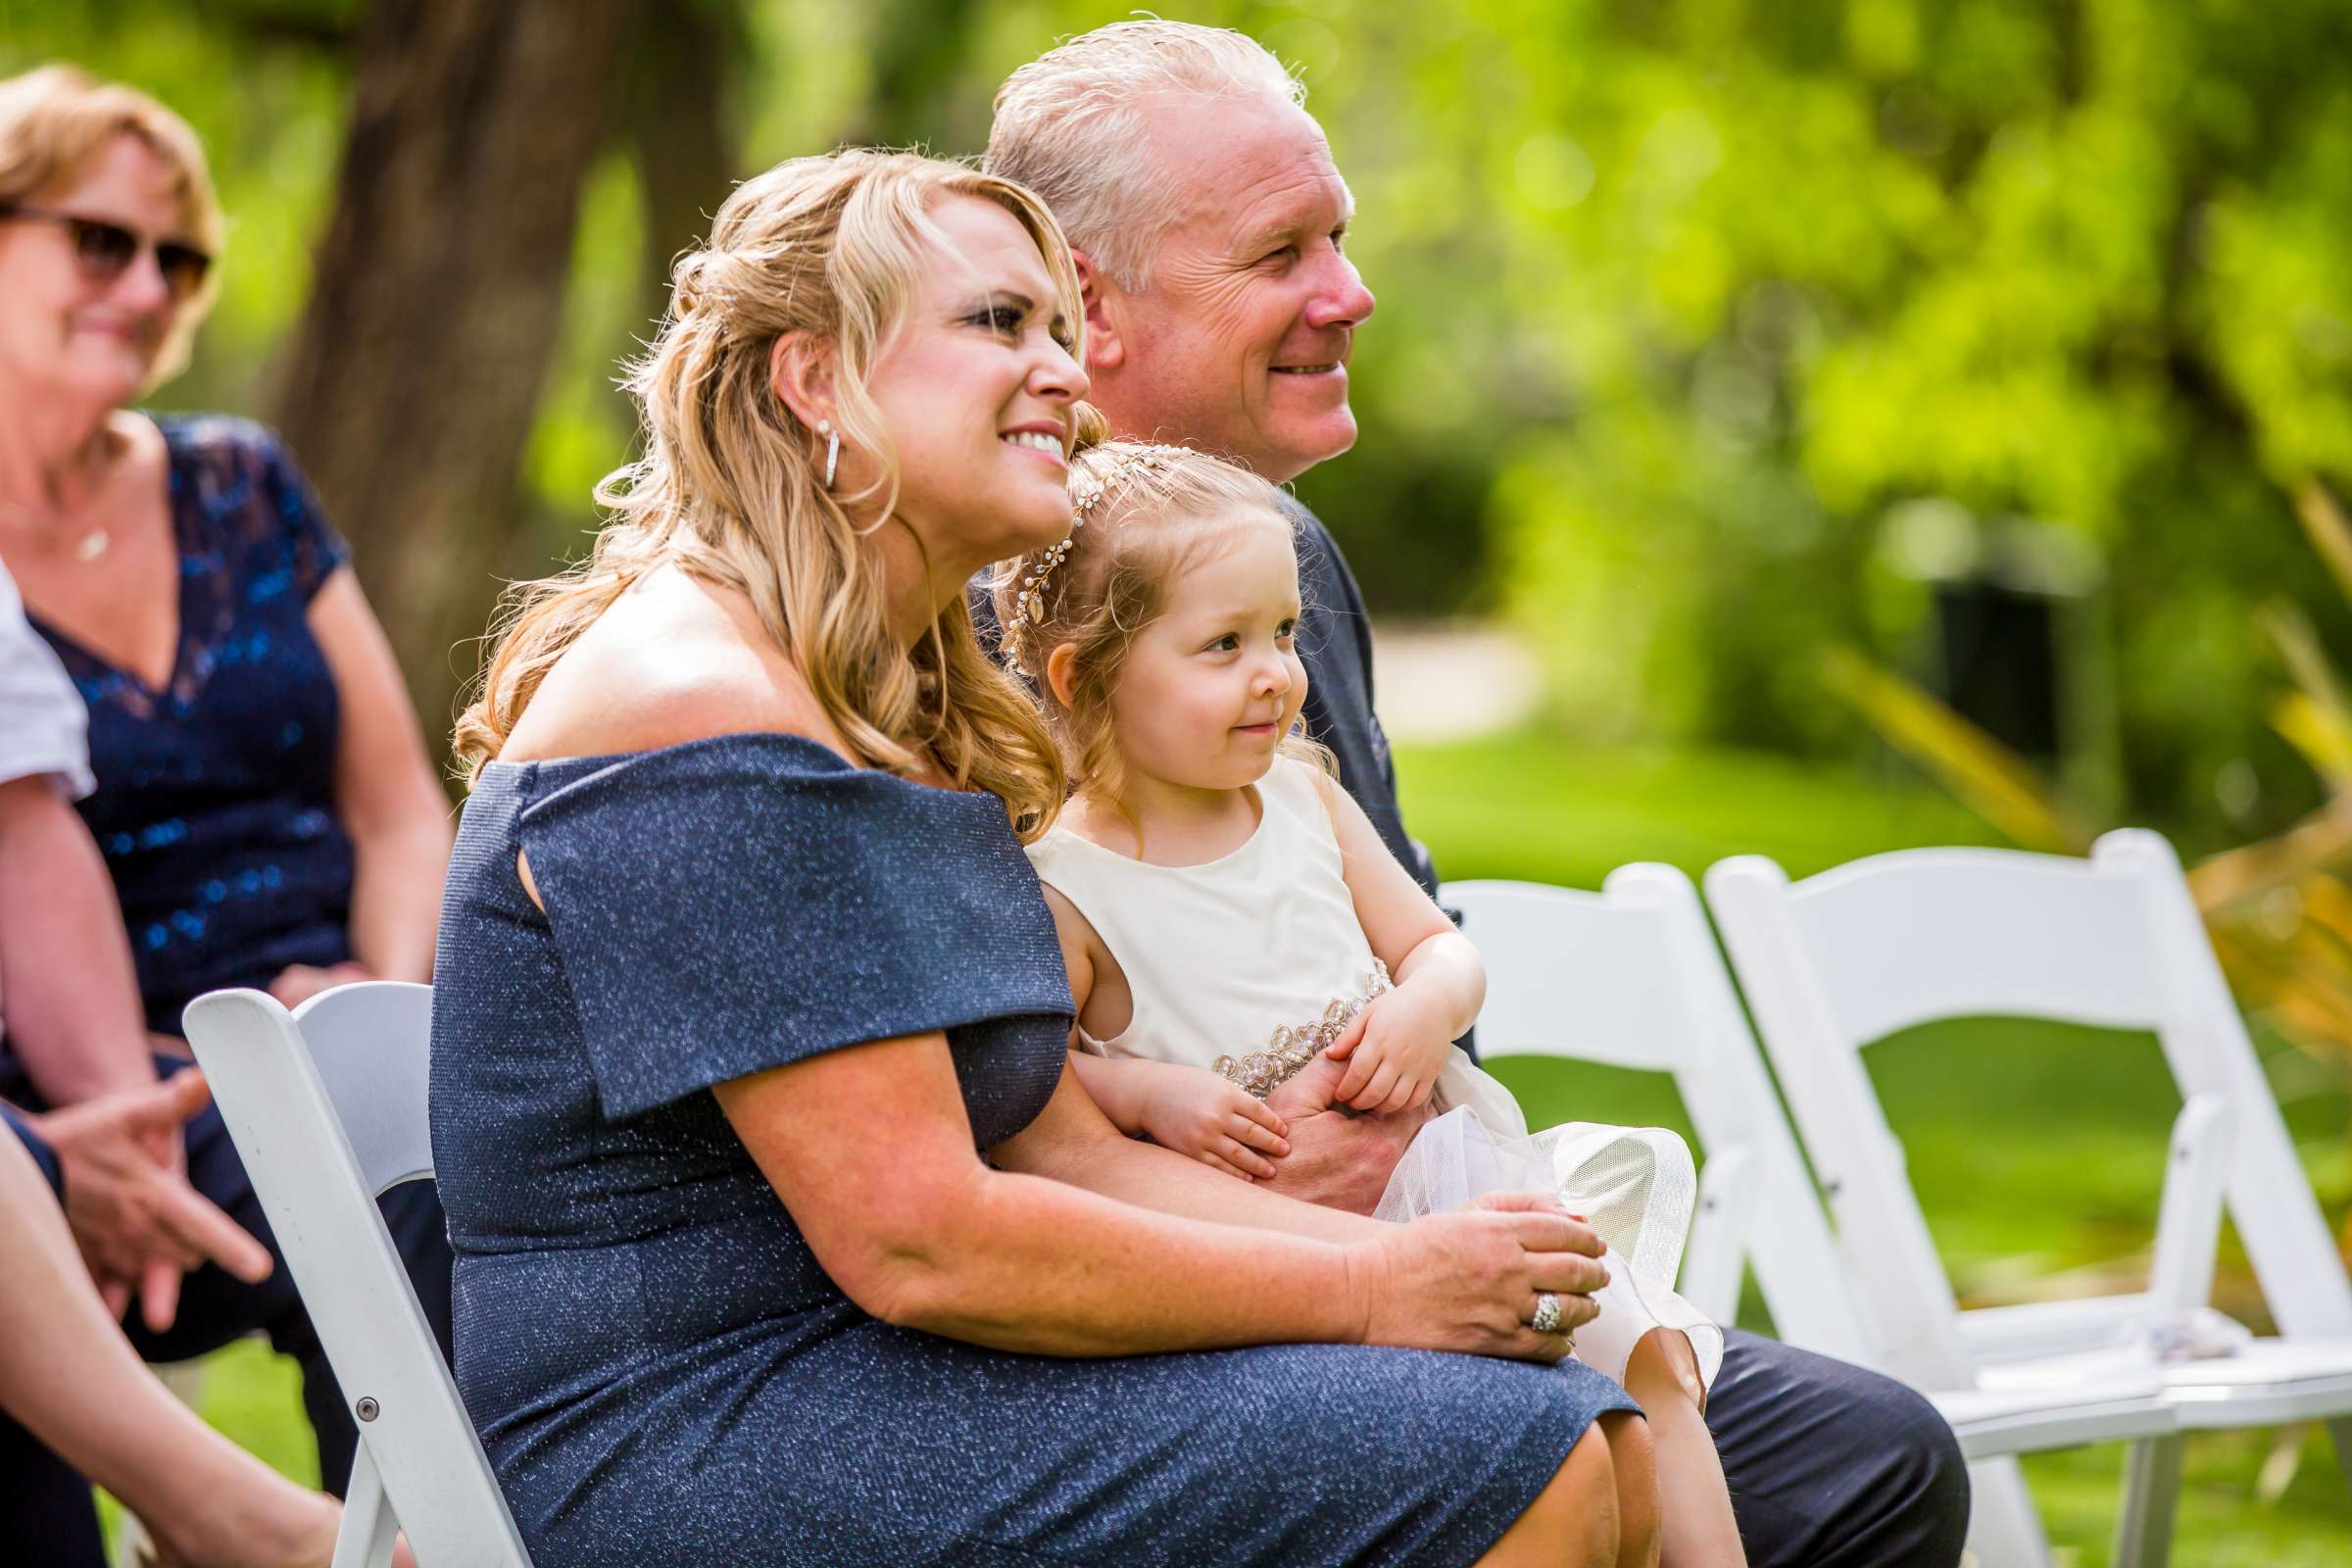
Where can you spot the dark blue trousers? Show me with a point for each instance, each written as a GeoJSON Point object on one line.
{"type": "Point", "coordinates": [46, 1515]}
{"type": "Point", "coordinates": [1833, 1467]}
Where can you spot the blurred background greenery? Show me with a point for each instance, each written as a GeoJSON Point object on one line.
{"type": "Point", "coordinates": [1780, 380]}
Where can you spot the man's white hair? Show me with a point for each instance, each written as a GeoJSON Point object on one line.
{"type": "Point", "coordinates": [1068, 126]}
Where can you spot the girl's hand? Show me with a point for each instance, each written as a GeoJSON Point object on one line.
{"type": "Point", "coordinates": [1468, 1280]}
{"type": "Point", "coordinates": [1393, 1048]}
{"type": "Point", "coordinates": [1198, 1114]}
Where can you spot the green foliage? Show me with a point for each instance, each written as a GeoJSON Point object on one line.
{"type": "Point", "coordinates": [1678, 301]}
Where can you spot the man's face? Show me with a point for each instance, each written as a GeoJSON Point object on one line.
{"type": "Point", "coordinates": [1239, 343]}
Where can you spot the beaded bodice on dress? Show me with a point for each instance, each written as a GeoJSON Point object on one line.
{"type": "Point", "coordinates": [1248, 964]}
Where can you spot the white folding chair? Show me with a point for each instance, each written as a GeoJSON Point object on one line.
{"type": "Point", "coordinates": [1630, 977]}
{"type": "Point", "coordinates": [326, 1106]}
{"type": "Point", "coordinates": [1845, 959]}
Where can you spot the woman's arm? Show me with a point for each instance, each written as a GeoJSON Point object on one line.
{"type": "Point", "coordinates": [385, 791]}
{"type": "Point", "coordinates": [72, 998]}
{"type": "Point", "coordinates": [1074, 1141]}
{"type": "Point", "coordinates": [871, 1149]}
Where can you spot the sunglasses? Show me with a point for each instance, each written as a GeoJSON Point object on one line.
{"type": "Point", "coordinates": [106, 251]}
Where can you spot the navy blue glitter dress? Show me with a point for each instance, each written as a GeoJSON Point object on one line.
{"type": "Point", "coordinates": [214, 805]}
{"type": "Point", "coordinates": [659, 1368]}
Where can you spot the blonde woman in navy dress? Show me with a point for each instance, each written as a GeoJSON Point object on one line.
{"type": "Point", "coordinates": [784, 1233]}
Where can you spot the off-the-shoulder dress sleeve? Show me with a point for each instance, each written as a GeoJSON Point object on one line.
{"type": "Point", "coordinates": [734, 904]}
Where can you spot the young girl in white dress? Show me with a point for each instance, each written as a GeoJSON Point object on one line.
{"type": "Point", "coordinates": [1227, 912]}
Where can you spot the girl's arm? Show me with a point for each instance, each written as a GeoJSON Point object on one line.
{"type": "Point", "coordinates": [385, 791]}
{"type": "Point", "coordinates": [870, 1149]}
{"type": "Point", "coordinates": [1397, 1043]}
{"type": "Point", "coordinates": [1187, 1110]}
{"type": "Point", "coordinates": [1113, 1087]}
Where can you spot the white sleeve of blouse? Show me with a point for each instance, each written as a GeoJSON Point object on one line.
{"type": "Point", "coordinates": [43, 727]}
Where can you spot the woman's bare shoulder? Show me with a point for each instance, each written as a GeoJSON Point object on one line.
{"type": "Point", "coordinates": [673, 660]}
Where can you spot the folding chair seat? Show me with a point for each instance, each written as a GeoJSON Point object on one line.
{"type": "Point", "coordinates": [1845, 959]}
{"type": "Point", "coordinates": [326, 1106]}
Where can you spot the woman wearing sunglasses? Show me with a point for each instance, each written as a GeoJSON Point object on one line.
{"type": "Point", "coordinates": [264, 801]}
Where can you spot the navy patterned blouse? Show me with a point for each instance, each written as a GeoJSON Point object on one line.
{"type": "Point", "coordinates": [214, 805]}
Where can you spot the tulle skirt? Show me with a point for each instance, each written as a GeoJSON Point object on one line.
{"type": "Point", "coordinates": [1634, 1185]}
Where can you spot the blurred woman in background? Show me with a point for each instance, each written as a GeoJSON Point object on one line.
{"type": "Point", "coordinates": [262, 799]}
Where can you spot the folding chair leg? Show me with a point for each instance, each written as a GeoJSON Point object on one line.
{"type": "Point", "coordinates": [2339, 1433]}
{"type": "Point", "coordinates": [2005, 1530]}
{"type": "Point", "coordinates": [2143, 1536]}
{"type": "Point", "coordinates": [370, 1525]}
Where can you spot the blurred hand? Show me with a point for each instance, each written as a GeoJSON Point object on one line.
{"type": "Point", "coordinates": [137, 1221]}
{"type": "Point", "coordinates": [1467, 1281]}
{"type": "Point", "coordinates": [297, 983]}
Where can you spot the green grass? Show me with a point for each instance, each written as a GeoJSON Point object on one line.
{"type": "Point", "coordinates": [2034, 1149]}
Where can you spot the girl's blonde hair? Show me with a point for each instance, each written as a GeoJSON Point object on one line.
{"type": "Point", "coordinates": [1145, 515]}
{"type": "Point", "coordinates": [731, 484]}
{"type": "Point", "coordinates": [56, 122]}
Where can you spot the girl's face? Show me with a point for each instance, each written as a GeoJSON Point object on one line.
{"type": "Point", "coordinates": [1213, 685]}
{"type": "Point", "coordinates": [976, 388]}
{"type": "Point", "coordinates": [77, 329]}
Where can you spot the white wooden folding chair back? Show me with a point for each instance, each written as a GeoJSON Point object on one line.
{"type": "Point", "coordinates": [326, 1107]}
{"type": "Point", "coordinates": [1838, 962]}
{"type": "Point", "coordinates": [1630, 977]}
{"type": "Point", "coordinates": [1845, 959]}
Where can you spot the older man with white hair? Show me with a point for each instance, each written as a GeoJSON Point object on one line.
{"type": "Point", "coordinates": [1211, 226]}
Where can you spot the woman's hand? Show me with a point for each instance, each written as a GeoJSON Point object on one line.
{"type": "Point", "coordinates": [1393, 1048]}
{"type": "Point", "coordinates": [1199, 1114]}
{"type": "Point", "coordinates": [1467, 1281]}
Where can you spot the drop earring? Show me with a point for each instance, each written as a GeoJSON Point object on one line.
{"type": "Point", "coordinates": [824, 427]}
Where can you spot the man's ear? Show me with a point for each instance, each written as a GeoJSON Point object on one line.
{"type": "Point", "coordinates": [1105, 342]}
{"type": "Point", "coordinates": [1061, 675]}
{"type": "Point", "coordinates": [800, 371]}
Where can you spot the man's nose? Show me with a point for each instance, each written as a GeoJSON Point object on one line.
{"type": "Point", "coordinates": [1341, 299]}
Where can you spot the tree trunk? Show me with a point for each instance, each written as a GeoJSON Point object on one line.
{"type": "Point", "coordinates": [414, 375]}
{"type": "Point", "coordinates": [677, 131]}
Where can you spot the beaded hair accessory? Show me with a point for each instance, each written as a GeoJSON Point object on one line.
{"type": "Point", "coordinates": [1128, 466]}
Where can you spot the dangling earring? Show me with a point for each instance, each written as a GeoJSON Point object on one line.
{"type": "Point", "coordinates": [824, 427]}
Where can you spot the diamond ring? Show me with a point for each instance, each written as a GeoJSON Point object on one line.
{"type": "Point", "coordinates": [1547, 1314]}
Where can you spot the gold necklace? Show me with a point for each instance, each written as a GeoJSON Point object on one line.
{"type": "Point", "coordinates": [87, 549]}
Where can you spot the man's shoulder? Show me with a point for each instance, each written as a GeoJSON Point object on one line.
{"type": "Point", "coordinates": [1323, 569]}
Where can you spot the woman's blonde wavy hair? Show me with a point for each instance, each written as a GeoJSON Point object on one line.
{"type": "Point", "coordinates": [1145, 515]}
{"type": "Point", "coordinates": [731, 484]}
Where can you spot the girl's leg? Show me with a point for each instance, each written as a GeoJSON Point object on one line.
{"type": "Point", "coordinates": [1697, 1526]}
{"type": "Point", "coordinates": [71, 1378]}
{"type": "Point", "coordinates": [1573, 1520]}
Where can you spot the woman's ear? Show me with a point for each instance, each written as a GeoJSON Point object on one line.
{"type": "Point", "coordinates": [800, 371]}
{"type": "Point", "coordinates": [1061, 675]}
{"type": "Point", "coordinates": [1105, 344]}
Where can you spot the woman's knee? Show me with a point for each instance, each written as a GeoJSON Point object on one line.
{"type": "Point", "coordinates": [1633, 1467]}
